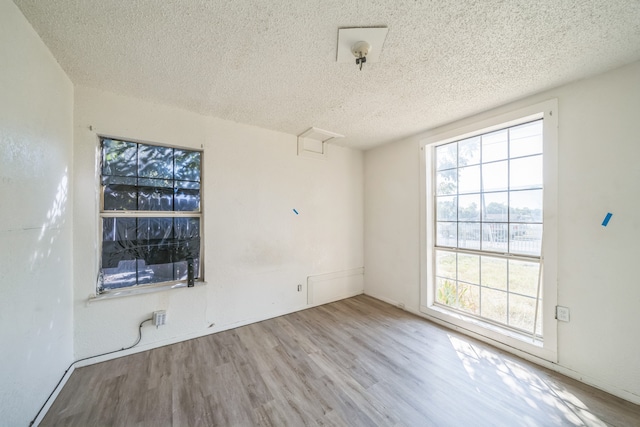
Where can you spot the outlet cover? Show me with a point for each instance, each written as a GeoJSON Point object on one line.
{"type": "Point", "coordinates": [159, 318]}
{"type": "Point", "coordinates": [562, 313]}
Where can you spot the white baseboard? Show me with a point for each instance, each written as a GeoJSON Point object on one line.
{"type": "Point", "coordinates": [586, 379]}
{"type": "Point", "coordinates": [53, 396]}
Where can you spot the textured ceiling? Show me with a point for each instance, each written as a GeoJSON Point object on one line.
{"type": "Point", "coordinates": [273, 63]}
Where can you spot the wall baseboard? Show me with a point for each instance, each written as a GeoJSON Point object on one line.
{"type": "Point", "coordinates": [586, 379]}
{"type": "Point", "coordinates": [54, 396]}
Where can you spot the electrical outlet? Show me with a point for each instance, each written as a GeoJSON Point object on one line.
{"type": "Point", "coordinates": [159, 318]}
{"type": "Point", "coordinates": [562, 313]}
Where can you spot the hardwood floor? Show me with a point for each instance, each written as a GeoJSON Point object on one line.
{"type": "Point", "coordinates": [356, 362]}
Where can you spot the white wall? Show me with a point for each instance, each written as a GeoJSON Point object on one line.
{"type": "Point", "coordinates": [257, 250]}
{"type": "Point", "coordinates": [598, 155]}
{"type": "Point", "coordinates": [36, 125]}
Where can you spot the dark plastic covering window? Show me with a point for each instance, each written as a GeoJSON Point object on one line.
{"type": "Point", "coordinates": [144, 250]}
{"type": "Point", "coordinates": [149, 178]}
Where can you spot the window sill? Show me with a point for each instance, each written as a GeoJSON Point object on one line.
{"type": "Point", "coordinates": [493, 333]}
{"type": "Point", "coordinates": [140, 291]}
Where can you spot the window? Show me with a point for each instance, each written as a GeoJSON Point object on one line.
{"type": "Point", "coordinates": [489, 228]}
{"type": "Point", "coordinates": [151, 215]}
{"type": "Point", "coordinates": [488, 222]}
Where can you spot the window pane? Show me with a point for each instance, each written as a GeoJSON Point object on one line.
{"type": "Point", "coordinates": [521, 312]}
{"type": "Point", "coordinates": [154, 273]}
{"type": "Point", "coordinates": [469, 268]}
{"type": "Point", "coordinates": [469, 235]}
{"type": "Point", "coordinates": [525, 139]}
{"type": "Point", "coordinates": [120, 197]}
{"type": "Point", "coordinates": [119, 158]}
{"type": "Point", "coordinates": [495, 207]}
{"type": "Point", "coordinates": [446, 264]}
{"type": "Point", "coordinates": [525, 173]}
{"type": "Point", "coordinates": [469, 298]}
{"type": "Point", "coordinates": [155, 199]}
{"type": "Point", "coordinates": [495, 146]}
{"type": "Point", "coordinates": [155, 162]}
{"type": "Point", "coordinates": [469, 179]}
{"type": "Point", "coordinates": [494, 305]}
{"type": "Point", "coordinates": [469, 151]}
{"type": "Point", "coordinates": [446, 182]}
{"type": "Point", "coordinates": [495, 237]}
{"type": "Point", "coordinates": [469, 207]}
{"type": "Point", "coordinates": [187, 165]}
{"type": "Point", "coordinates": [523, 277]}
{"type": "Point", "coordinates": [446, 156]}
{"type": "Point", "coordinates": [121, 276]}
{"type": "Point", "coordinates": [446, 208]}
{"type": "Point", "coordinates": [446, 292]}
{"type": "Point", "coordinates": [447, 234]}
{"type": "Point", "coordinates": [526, 206]}
{"type": "Point", "coordinates": [187, 200]}
{"type": "Point", "coordinates": [526, 239]}
{"type": "Point", "coordinates": [494, 272]}
{"type": "Point", "coordinates": [495, 176]}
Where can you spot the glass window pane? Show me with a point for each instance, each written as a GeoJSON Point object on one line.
{"type": "Point", "coordinates": [120, 197]}
{"type": "Point", "coordinates": [155, 162]}
{"type": "Point", "coordinates": [119, 158]}
{"type": "Point", "coordinates": [447, 234]}
{"type": "Point", "coordinates": [526, 206]}
{"type": "Point", "coordinates": [469, 179]}
{"type": "Point", "coordinates": [495, 207]}
{"type": "Point", "coordinates": [495, 237]}
{"type": "Point", "coordinates": [154, 230]}
{"type": "Point", "coordinates": [446, 208]}
{"type": "Point", "coordinates": [523, 277]}
{"type": "Point", "coordinates": [446, 156]}
{"type": "Point", "coordinates": [525, 239]}
{"type": "Point", "coordinates": [495, 176]}
{"type": "Point", "coordinates": [187, 228]}
{"type": "Point", "coordinates": [469, 235]}
{"type": "Point", "coordinates": [155, 199]}
{"type": "Point", "coordinates": [494, 272]}
{"type": "Point", "coordinates": [469, 151]}
{"type": "Point", "coordinates": [525, 173]}
{"type": "Point", "coordinates": [469, 207]}
{"type": "Point", "coordinates": [525, 139]}
{"type": "Point", "coordinates": [521, 312]}
{"type": "Point", "coordinates": [495, 146]}
{"type": "Point", "coordinates": [446, 292]}
{"type": "Point", "coordinates": [187, 165]}
{"type": "Point", "coordinates": [446, 264]}
{"type": "Point", "coordinates": [187, 200]}
{"type": "Point", "coordinates": [121, 276]}
{"type": "Point", "coordinates": [494, 305]}
{"type": "Point", "coordinates": [446, 182]}
{"type": "Point", "coordinates": [469, 268]}
{"type": "Point", "coordinates": [469, 298]}
{"type": "Point", "coordinates": [154, 273]}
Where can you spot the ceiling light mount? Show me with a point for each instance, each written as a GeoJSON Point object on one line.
{"type": "Point", "coordinates": [360, 50]}
{"type": "Point", "coordinates": [365, 43]}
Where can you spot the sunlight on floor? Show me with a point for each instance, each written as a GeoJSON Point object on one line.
{"type": "Point", "coordinates": [540, 394]}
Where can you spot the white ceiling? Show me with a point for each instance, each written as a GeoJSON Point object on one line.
{"type": "Point", "coordinates": [273, 63]}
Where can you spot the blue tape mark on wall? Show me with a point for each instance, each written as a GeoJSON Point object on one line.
{"type": "Point", "coordinates": [296, 212]}
{"type": "Point", "coordinates": [606, 219]}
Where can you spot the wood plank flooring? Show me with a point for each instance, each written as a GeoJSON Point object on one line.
{"type": "Point", "coordinates": [356, 362]}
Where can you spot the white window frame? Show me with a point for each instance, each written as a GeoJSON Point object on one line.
{"type": "Point", "coordinates": [102, 213]}
{"type": "Point", "coordinates": [547, 348]}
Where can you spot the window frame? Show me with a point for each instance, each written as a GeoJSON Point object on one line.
{"type": "Point", "coordinates": [102, 214]}
{"type": "Point", "coordinates": [506, 337]}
